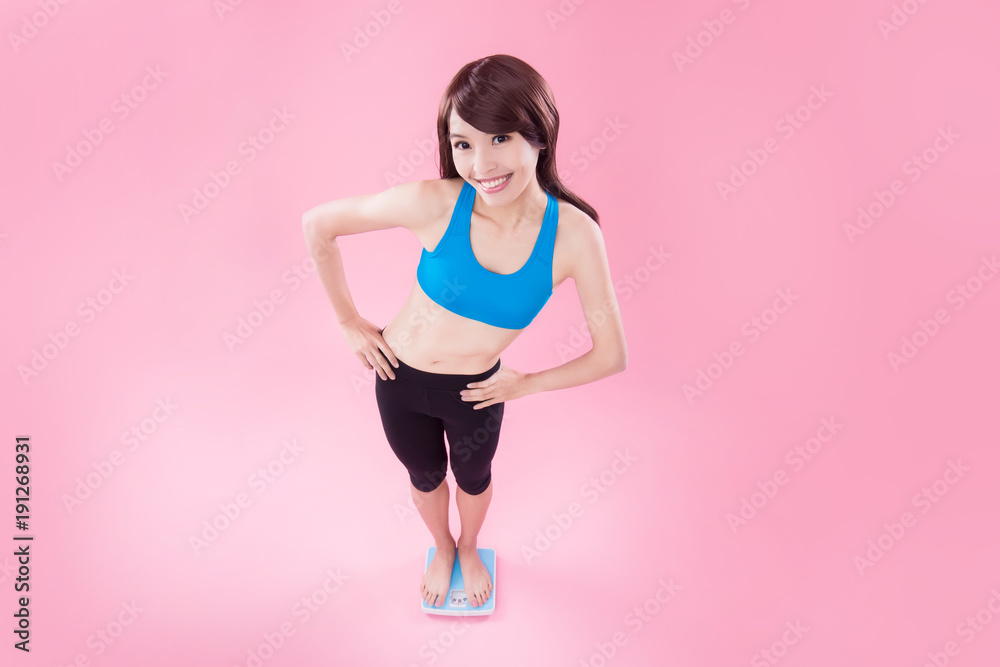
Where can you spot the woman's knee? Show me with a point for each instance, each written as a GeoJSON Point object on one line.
{"type": "Point", "coordinates": [427, 481]}
{"type": "Point", "coordinates": [475, 486]}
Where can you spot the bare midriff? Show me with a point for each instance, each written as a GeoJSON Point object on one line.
{"type": "Point", "coordinates": [429, 337]}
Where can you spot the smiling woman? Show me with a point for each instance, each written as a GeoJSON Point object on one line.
{"type": "Point", "coordinates": [500, 233]}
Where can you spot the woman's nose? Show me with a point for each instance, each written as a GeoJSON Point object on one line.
{"type": "Point", "coordinates": [482, 165]}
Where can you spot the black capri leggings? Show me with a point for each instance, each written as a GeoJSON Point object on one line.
{"type": "Point", "coordinates": [418, 408]}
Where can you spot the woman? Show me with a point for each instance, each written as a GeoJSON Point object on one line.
{"type": "Point", "coordinates": [500, 234]}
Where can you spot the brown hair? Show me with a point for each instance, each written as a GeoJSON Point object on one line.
{"type": "Point", "coordinates": [500, 94]}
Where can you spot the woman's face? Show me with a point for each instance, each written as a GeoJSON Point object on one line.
{"type": "Point", "coordinates": [505, 161]}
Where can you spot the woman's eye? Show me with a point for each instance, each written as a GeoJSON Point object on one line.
{"type": "Point", "coordinates": [460, 144]}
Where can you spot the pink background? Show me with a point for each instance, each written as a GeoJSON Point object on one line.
{"type": "Point", "coordinates": [729, 593]}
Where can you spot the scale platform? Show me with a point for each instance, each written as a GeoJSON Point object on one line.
{"type": "Point", "coordinates": [457, 604]}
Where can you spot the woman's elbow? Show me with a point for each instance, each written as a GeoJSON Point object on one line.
{"type": "Point", "coordinates": [617, 362]}
{"type": "Point", "coordinates": [621, 362]}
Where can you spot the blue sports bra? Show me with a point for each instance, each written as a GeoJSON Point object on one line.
{"type": "Point", "coordinates": [452, 277]}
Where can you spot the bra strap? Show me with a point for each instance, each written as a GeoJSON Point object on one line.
{"type": "Point", "coordinates": [463, 210]}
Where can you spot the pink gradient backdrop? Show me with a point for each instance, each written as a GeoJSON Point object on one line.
{"type": "Point", "coordinates": [341, 502]}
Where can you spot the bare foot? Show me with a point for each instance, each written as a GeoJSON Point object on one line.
{"type": "Point", "coordinates": [437, 579]}
{"type": "Point", "coordinates": [478, 585]}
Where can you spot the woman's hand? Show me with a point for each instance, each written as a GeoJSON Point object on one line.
{"type": "Point", "coordinates": [368, 345]}
{"type": "Point", "coordinates": [504, 385]}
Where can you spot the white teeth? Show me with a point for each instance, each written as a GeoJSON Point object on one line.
{"type": "Point", "coordinates": [492, 184]}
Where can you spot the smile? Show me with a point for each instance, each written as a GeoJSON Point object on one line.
{"type": "Point", "coordinates": [496, 182]}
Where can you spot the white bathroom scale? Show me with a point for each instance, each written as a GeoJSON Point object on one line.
{"type": "Point", "coordinates": [457, 603]}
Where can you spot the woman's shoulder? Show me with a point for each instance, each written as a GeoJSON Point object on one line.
{"type": "Point", "coordinates": [448, 188]}
{"type": "Point", "coordinates": [435, 184]}
{"type": "Point", "coordinates": [578, 236]}
{"type": "Point", "coordinates": [575, 224]}
{"type": "Point", "coordinates": [579, 245]}
{"type": "Point", "coordinates": [431, 194]}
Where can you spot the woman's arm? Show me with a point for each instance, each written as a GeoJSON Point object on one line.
{"type": "Point", "coordinates": [409, 205]}
{"type": "Point", "coordinates": [609, 354]}
{"type": "Point", "coordinates": [330, 267]}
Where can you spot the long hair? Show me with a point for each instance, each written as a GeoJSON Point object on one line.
{"type": "Point", "coordinates": [500, 94]}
